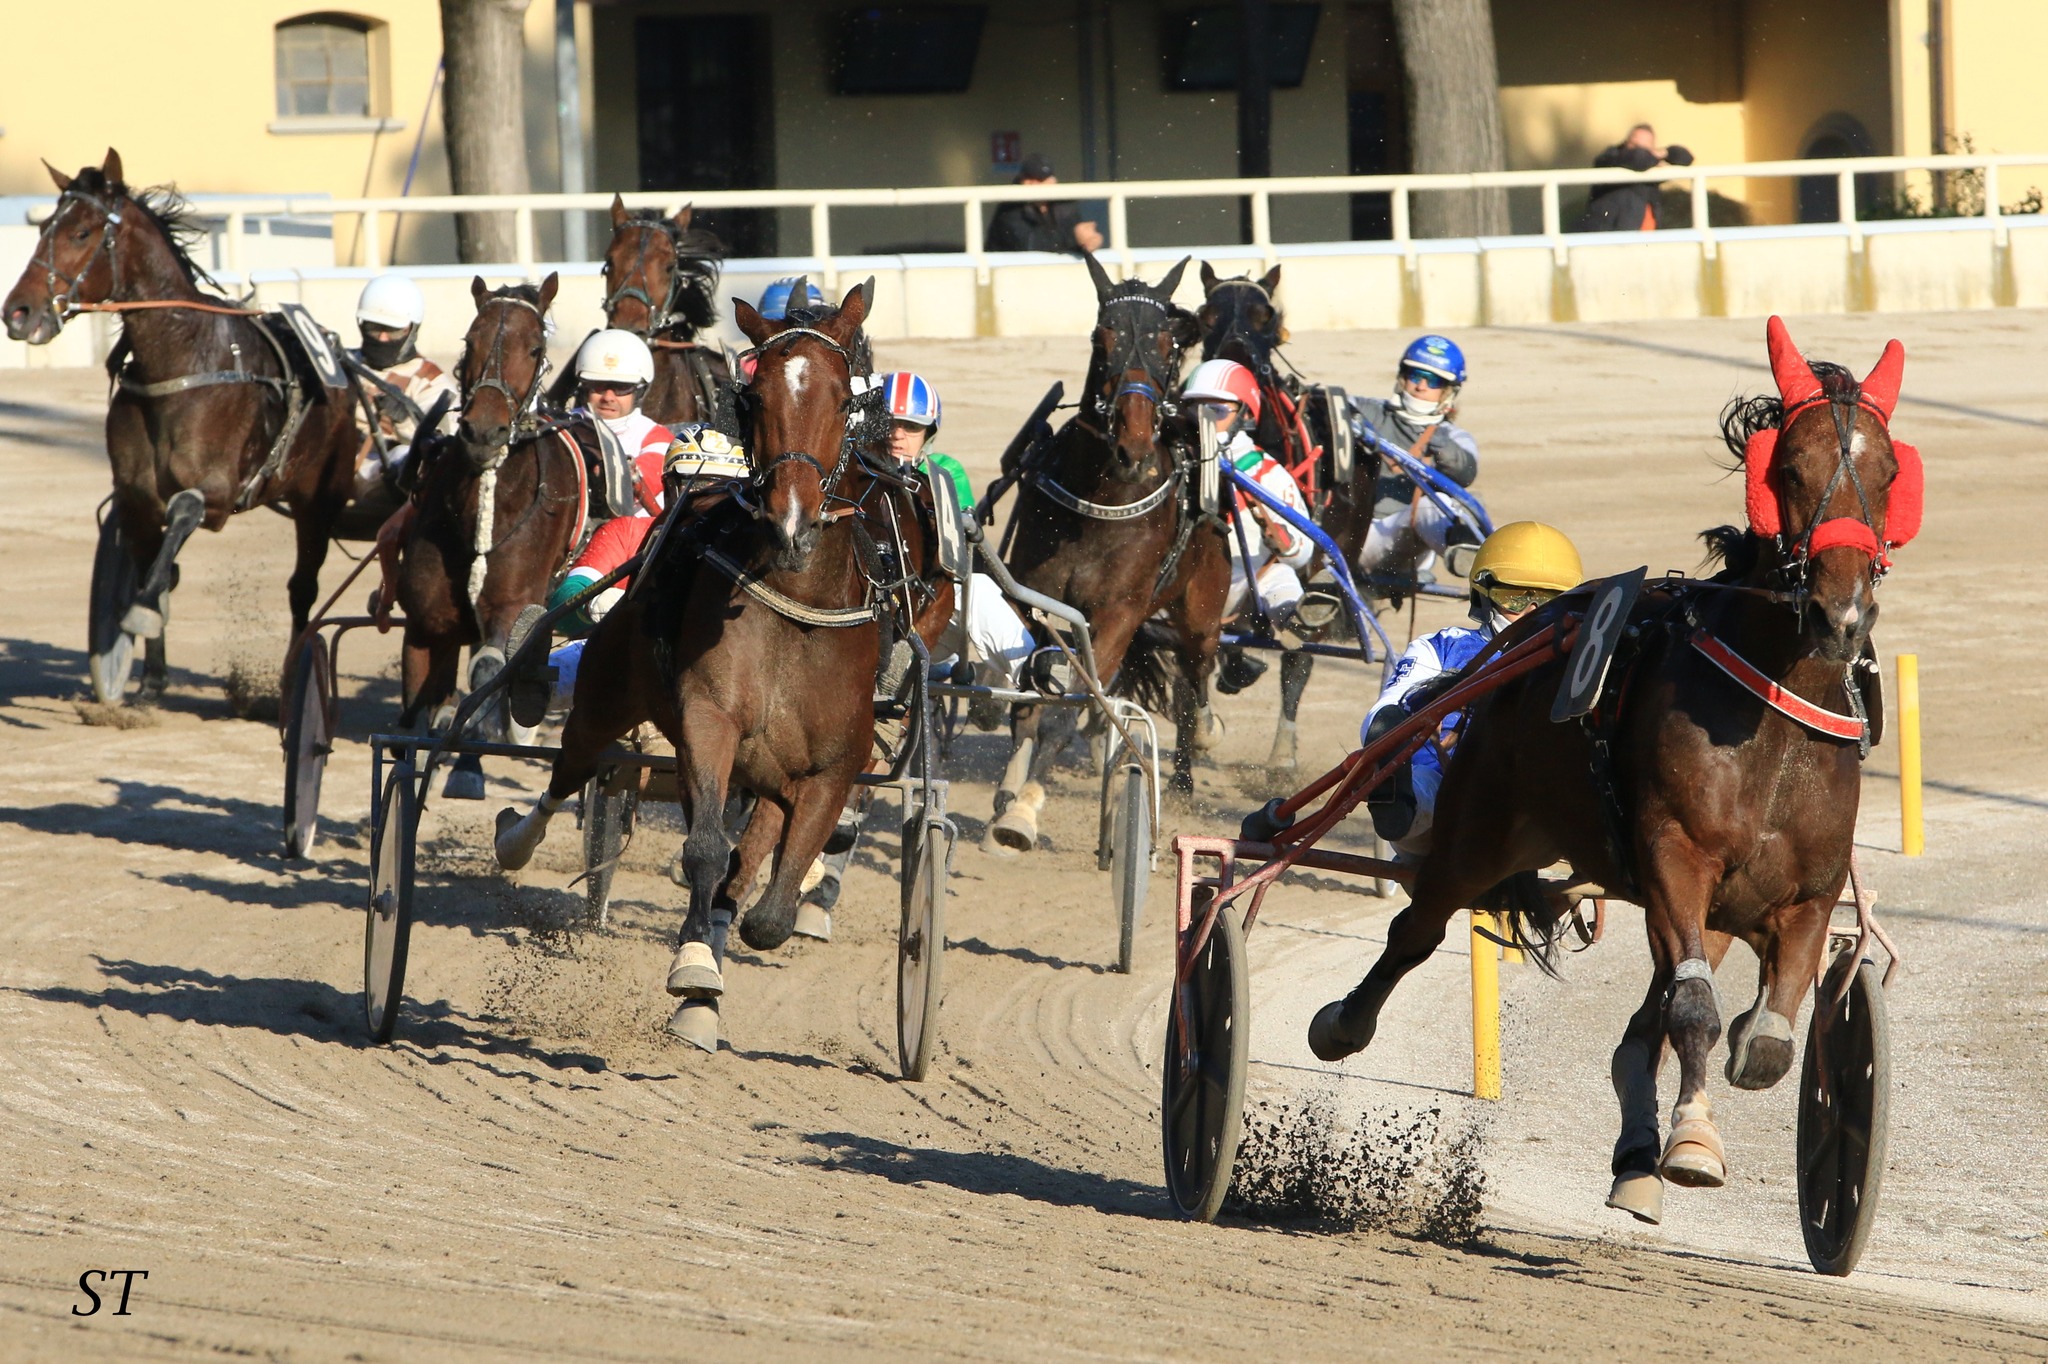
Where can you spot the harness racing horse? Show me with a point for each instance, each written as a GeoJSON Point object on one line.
{"type": "Point", "coordinates": [209, 415]}
{"type": "Point", "coordinates": [662, 280]}
{"type": "Point", "coordinates": [755, 642]}
{"type": "Point", "coordinates": [1715, 783]}
{"type": "Point", "coordinates": [498, 511]}
{"type": "Point", "coordinates": [1104, 522]}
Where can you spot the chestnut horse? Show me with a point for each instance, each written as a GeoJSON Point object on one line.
{"type": "Point", "coordinates": [661, 282]}
{"type": "Point", "coordinates": [199, 426]}
{"type": "Point", "coordinates": [528, 477]}
{"type": "Point", "coordinates": [1725, 816]}
{"type": "Point", "coordinates": [1105, 519]}
{"type": "Point", "coordinates": [755, 642]}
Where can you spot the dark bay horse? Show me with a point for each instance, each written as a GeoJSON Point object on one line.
{"type": "Point", "coordinates": [755, 643]}
{"type": "Point", "coordinates": [1728, 818]}
{"type": "Point", "coordinates": [661, 283]}
{"type": "Point", "coordinates": [201, 421]}
{"type": "Point", "coordinates": [498, 510]}
{"type": "Point", "coordinates": [1106, 523]}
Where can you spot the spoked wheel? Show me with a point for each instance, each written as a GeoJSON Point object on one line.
{"type": "Point", "coordinates": [1130, 870]}
{"type": "Point", "coordinates": [308, 739]}
{"type": "Point", "coordinates": [1208, 1034]}
{"type": "Point", "coordinates": [1844, 1114]}
{"type": "Point", "coordinates": [390, 918]}
{"type": "Point", "coordinates": [607, 815]}
{"type": "Point", "coordinates": [921, 942]}
{"type": "Point", "coordinates": [114, 580]}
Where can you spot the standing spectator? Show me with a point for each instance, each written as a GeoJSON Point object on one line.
{"type": "Point", "coordinates": [1050, 226]}
{"type": "Point", "coordinates": [1626, 207]}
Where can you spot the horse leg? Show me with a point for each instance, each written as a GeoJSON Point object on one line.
{"type": "Point", "coordinates": [1014, 828]}
{"type": "Point", "coordinates": [311, 528]}
{"type": "Point", "coordinates": [695, 1019]}
{"type": "Point", "coordinates": [599, 719]}
{"type": "Point", "coordinates": [1680, 886]}
{"type": "Point", "coordinates": [814, 911]}
{"type": "Point", "coordinates": [1760, 1042]}
{"type": "Point", "coordinates": [814, 809]}
{"type": "Point", "coordinates": [1638, 1188]}
{"type": "Point", "coordinates": [182, 515]}
{"type": "Point", "coordinates": [704, 766]}
{"type": "Point", "coordinates": [1295, 667]}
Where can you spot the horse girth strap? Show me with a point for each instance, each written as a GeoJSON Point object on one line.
{"type": "Point", "coordinates": [1104, 511]}
{"type": "Point", "coordinates": [185, 382]}
{"type": "Point", "coordinates": [749, 582]}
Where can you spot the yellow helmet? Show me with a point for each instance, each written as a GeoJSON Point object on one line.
{"type": "Point", "coordinates": [1539, 560]}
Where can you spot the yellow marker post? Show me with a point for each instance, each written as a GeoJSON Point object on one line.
{"type": "Point", "coordinates": [1485, 1011]}
{"type": "Point", "coordinates": [1912, 837]}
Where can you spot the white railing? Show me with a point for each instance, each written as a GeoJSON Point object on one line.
{"type": "Point", "coordinates": [974, 201]}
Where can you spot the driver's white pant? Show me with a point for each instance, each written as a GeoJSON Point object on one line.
{"type": "Point", "coordinates": [1279, 587]}
{"type": "Point", "coordinates": [370, 469]}
{"type": "Point", "coordinates": [1425, 781]}
{"type": "Point", "coordinates": [566, 659]}
{"type": "Point", "coordinates": [1430, 523]}
{"type": "Point", "coordinates": [991, 632]}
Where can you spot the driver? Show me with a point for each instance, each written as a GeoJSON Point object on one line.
{"type": "Point", "coordinates": [389, 314]}
{"type": "Point", "coordinates": [613, 369]}
{"type": "Point", "coordinates": [1519, 567]}
{"type": "Point", "coordinates": [1408, 528]}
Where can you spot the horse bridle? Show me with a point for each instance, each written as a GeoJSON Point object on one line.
{"type": "Point", "coordinates": [1796, 554]}
{"type": "Point", "coordinates": [828, 479]}
{"type": "Point", "coordinates": [46, 249]}
{"type": "Point", "coordinates": [494, 371]}
{"type": "Point", "coordinates": [1131, 353]}
{"type": "Point", "coordinates": [1264, 364]}
{"type": "Point", "coordinates": [657, 318]}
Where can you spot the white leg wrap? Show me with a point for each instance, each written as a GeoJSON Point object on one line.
{"type": "Point", "coordinates": [518, 838]}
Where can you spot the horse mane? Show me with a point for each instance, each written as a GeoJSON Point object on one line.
{"type": "Point", "coordinates": [699, 258]}
{"type": "Point", "coordinates": [165, 208]}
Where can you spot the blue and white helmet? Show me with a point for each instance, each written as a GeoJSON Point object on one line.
{"type": "Point", "coordinates": [774, 304]}
{"type": "Point", "coordinates": [911, 398]}
{"type": "Point", "coordinates": [1437, 355]}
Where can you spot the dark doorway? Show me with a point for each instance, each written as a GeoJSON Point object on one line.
{"type": "Point", "coordinates": [1377, 108]}
{"type": "Point", "coordinates": [1820, 196]}
{"type": "Point", "coordinates": [703, 94]}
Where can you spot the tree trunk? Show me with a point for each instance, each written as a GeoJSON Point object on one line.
{"type": "Point", "coordinates": [482, 111]}
{"type": "Point", "coordinates": [1454, 119]}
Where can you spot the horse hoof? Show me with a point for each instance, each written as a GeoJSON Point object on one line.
{"type": "Point", "coordinates": [514, 845]}
{"type": "Point", "coordinates": [1693, 1157]}
{"type": "Point", "coordinates": [762, 933]}
{"type": "Point", "coordinates": [696, 1021]}
{"type": "Point", "coordinates": [143, 622]}
{"type": "Point", "coordinates": [1284, 757]}
{"type": "Point", "coordinates": [464, 783]}
{"type": "Point", "coordinates": [812, 922]}
{"type": "Point", "coordinates": [1640, 1195]}
{"type": "Point", "coordinates": [1016, 829]}
{"type": "Point", "coordinates": [1759, 1049]}
{"type": "Point", "coordinates": [1329, 1037]}
{"type": "Point", "coordinates": [695, 974]}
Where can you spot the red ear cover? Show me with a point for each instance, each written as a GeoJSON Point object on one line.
{"type": "Point", "coordinates": [1909, 495]}
{"type": "Point", "coordinates": [1761, 497]}
{"type": "Point", "coordinates": [1795, 378]}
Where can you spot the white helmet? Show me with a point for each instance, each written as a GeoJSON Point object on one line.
{"type": "Point", "coordinates": [391, 301]}
{"type": "Point", "coordinates": [613, 355]}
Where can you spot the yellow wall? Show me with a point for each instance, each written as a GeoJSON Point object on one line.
{"type": "Point", "coordinates": [1802, 61]}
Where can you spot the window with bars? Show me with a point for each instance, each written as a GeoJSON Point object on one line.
{"type": "Point", "coordinates": [323, 67]}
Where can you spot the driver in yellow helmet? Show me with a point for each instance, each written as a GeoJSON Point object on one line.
{"type": "Point", "coordinates": [1520, 567]}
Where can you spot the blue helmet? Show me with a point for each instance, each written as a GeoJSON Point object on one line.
{"type": "Point", "coordinates": [774, 304]}
{"type": "Point", "coordinates": [911, 398]}
{"type": "Point", "coordinates": [1438, 355]}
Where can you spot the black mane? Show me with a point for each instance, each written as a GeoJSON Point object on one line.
{"type": "Point", "coordinates": [177, 220]}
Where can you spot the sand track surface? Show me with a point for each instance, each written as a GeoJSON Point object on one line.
{"type": "Point", "coordinates": [534, 1170]}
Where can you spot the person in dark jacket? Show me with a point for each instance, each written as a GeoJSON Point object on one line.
{"type": "Point", "coordinates": [1629, 207]}
{"type": "Point", "coordinates": [1050, 226]}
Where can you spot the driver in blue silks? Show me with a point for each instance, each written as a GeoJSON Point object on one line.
{"type": "Point", "coordinates": [1408, 527]}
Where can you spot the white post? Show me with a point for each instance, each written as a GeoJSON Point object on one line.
{"type": "Point", "coordinates": [1553, 222]}
{"type": "Point", "coordinates": [977, 245]}
{"type": "Point", "coordinates": [1702, 216]}
{"type": "Point", "coordinates": [1400, 206]}
{"type": "Point", "coordinates": [522, 238]}
{"type": "Point", "coordinates": [1845, 195]}
{"type": "Point", "coordinates": [1262, 225]}
{"type": "Point", "coordinates": [373, 247]}
{"type": "Point", "coordinates": [1120, 232]}
{"type": "Point", "coordinates": [1992, 213]}
{"type": "Point", "coordinates": [821, 247]}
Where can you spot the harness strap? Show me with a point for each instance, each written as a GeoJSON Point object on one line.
{"type": "Point", "coordinates": [165, 388]}
{"type": "Point", "coordinates": [750, 583]}
{"type": "Point", "coordinates": [1104, 511]}
{"type": "Point", "coordinates": [1800, 711]}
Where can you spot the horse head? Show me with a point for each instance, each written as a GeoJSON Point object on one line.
{"type": "Point", "coordinates": [1832, 489]}
{"type": "Point", "coordinates": [1139, 339]}
{"type": "Point", "coordinates": [796, 408]}
{"type": "Point", "coordinates": [504, 362]}
{"type": "Point", "coordinates": [659, 275]}
{"type": "Point", "coordinates": [1239, 319]}
{"type": "Point", "coordinates": [77, 256]}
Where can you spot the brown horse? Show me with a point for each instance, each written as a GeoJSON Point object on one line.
{"type": "Point", "coordinates": [662, 282]}
{"type": "Point", "coordinates": [529, 478]}
{"type": "Point", "coordinates": [201, 422]}
{"type": "Point", "coordinates": [1105, 519]}
{"type": "Point", "coordinates": [755, 642]}
{"type": "Point", "coordinates": [1726, 818]}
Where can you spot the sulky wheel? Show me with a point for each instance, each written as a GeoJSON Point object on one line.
{"type": "Point", "coordinates": [389, 925]}
{"type": "Point", "coordinates": [921, 943]}
{"type": "Point", "coordinates": [308, 738]}
{"type": "Point", "coordinates": [111, 649]}
{"type": "Point", "coordinates": [1130, 870]}
{"type": "Point", "coordinates": [1208, 1023]}
{"type": "Point", "coordinates": [607, 817]}
{"type": "Point", "coordinates": [1844, 1103]}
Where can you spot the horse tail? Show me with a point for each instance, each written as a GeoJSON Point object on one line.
{"type": "Point", "coordinates": [1533, 921]}
{"type": "Point", "coordinates": [1150, 668]}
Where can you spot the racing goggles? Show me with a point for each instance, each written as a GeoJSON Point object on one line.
{"type": "Point", "coordinates": [1422, 378]}
{"type": "Point", "coordinates": [1218, 412]}
{"type": "Point", "coordinates": [1515, 600]}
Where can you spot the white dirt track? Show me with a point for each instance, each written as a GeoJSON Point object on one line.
{"type": "Point", "coordinates": [533, 1170]}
